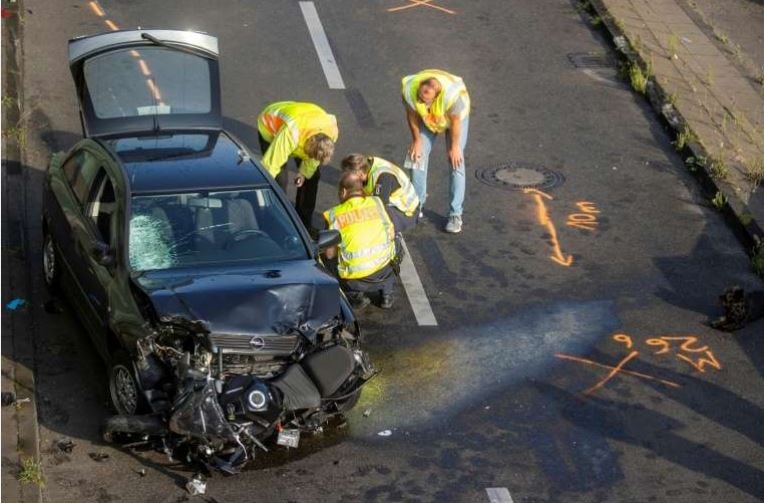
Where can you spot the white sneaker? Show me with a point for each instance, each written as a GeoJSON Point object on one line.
{"type": "Point", "coordinates": [454, 224]}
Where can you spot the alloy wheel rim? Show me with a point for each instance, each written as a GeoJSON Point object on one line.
{"type": "Point", "coordinates": [49, 261]}
{"type": "Point", "coordinates": [126, 394]}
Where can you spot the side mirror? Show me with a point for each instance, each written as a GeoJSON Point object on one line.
{"type": "Point", "coordinates": [328, 238]}
{"type": "Point", "coordinates": [102, 253]}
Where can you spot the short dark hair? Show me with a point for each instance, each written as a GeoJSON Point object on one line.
{"type": "Point", "coordinates": [351, 182]}
{"type": "Point", "coordinates": [355, 162]}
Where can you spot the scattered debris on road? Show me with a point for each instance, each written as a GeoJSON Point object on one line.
{"type": "Point", "coordinates": [15, 304]}
{"type": "Point", "coordinates": [196, 485]}
{"type": "Point", "coordinates": [98, 456]}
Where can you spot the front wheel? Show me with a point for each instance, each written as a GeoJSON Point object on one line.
{"type": "Point", "coordinates": [124, 391]}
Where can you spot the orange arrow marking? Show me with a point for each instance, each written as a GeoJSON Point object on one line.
{"type": "Point", "coordinates": [543, 216]}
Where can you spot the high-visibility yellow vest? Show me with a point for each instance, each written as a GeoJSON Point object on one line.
{"type": "Point", "coordinates": [403, 198]}
{"type": "Point", "coordinates": [367, 236]}
{"type": "Point", "coordinates": [302, 120]}
{"type": "Point", "coordinates": [452, 87]}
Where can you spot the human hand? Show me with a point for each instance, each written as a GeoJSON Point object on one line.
{"type": "Point", "coordinates": [299, 181]}
{"type": "Point", "coordinates": [455, 157]}
{"type": "Point", "coordinates": [415, 150]}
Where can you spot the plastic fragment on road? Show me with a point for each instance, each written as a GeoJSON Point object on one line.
{"type": "Point", "coordinates": [289, 438]}
{"type": "Point", "coordinates": [385, 433]}
{"type": "Point", "coordinates": [196, 486]}
{"type": "Point", "coordinates": [367, 413]}
{"type": "Point", "coordinates": [15, 304]}
{"type": "Point", "coordinates": [6, 13]}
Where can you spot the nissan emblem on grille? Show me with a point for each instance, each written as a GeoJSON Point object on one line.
{"type": "Point", "coordinates": [257, 343]}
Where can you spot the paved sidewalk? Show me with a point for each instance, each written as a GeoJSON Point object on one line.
{"type": "Point", "coordinates": [722, 107]}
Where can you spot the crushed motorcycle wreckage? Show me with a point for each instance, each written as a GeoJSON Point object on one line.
{"type": "Point", "coordinates": [214, 400]}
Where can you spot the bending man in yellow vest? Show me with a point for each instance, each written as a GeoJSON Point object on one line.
{"type": "Point", "coordinates": [301, 131]}
{"type": "Point", "coordinates": [388, 182]}
{"type": "Point", "coordinates": [364, 258]}
{"type": "Point", "coordinates": [436, 102]}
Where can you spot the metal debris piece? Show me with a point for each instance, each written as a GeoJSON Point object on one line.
{"type": "Point", "coordinates": [289, 438]}
{"type": "Point", "coordinates": [98, 456]}
{"type": "Point", "coordinates": [196, 485]}
{"type": "Point", "coordinates": [64, 445]}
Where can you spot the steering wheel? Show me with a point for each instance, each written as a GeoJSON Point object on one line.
{"type": "Point", "coordinates": [244, 234]}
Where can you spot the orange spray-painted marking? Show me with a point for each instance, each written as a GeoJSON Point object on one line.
{"type": "Point", "coordinates": [615, 370]}
{"type": "Point", "coordinates": [578, 359]}
{"type": "Point", "coordinates": [587, 219]}
{"type": "Point", "coordinates": [97, 10]}
{"type": "Point", "coordinates": [422, 3]}
{"type": "Point", "coordinates": [543, 216]}
{"type": "Point", "coordinates": [623, 338]}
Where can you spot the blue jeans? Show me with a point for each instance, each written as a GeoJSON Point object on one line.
{"type": "Point", "coordinates": [457, 182]}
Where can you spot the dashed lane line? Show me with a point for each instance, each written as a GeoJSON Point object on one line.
{"type": "Point", "coordinates": [420, 304]}
{"type": "Point", "coordinates": [321, 43]}
{"type": "Point", "coordinates": [499, 495]}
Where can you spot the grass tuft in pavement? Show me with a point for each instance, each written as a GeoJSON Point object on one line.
{"type": "Point", "coordinates": [31, 472]}
{"type": "Point", "coordinates": [754, 172]}
{"type": "Point", "coordinates": [719, 201]}
{"type": "Point", "coordinates": [638, 78]}
{"type": "Point", "coordinates": [685, 137]}
{"type": "Point", "coordinates": [757, 259]}
{"type": "Point", "coordinates": [717, 168]}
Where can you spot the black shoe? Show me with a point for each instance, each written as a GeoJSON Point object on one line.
{"type": "Point", "coordinates": [387, 301]}
{"type": "Point", "coordinates": [359, 301]}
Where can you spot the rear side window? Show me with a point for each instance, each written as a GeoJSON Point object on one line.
{"type": "Point", "coordinates": [83, 180]}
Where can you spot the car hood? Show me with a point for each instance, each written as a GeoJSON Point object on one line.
{"type": "Point", "coordinates": [247, 301]}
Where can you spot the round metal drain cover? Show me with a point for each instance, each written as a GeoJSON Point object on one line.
{"type": "Point", "coordinates": [520, 176]}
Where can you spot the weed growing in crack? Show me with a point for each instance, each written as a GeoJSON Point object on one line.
{"type": "Point", "coordinates": [31, 472]}
{"type": "Point", "coordinates": [717, 168]}
{"type": "Point", "coordinates": [638, 78]}
{"type": "Point", "coordinates": [754, 172]}
{"type": "Point", "coordinates": [719, 200]}
{"type": "Point", "coordinates": [757, 259]}
{"type": "Point", "coordinates": [684, 138]}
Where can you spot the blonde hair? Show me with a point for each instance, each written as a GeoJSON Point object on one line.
{"type": "Point", "coordinates": [320, 147]}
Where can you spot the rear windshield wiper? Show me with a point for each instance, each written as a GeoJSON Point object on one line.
{"type": "Point", "coordinates": [151, 38]}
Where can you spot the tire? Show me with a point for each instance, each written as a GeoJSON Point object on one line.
{"type": "Point", "coordinates": [125, 393]}
{"type": "Point", "coordinates": [51, 267]}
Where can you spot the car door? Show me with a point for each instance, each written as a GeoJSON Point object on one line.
{"type": "Point", "coordinates": [96, 237]}
{"type": "Point", "coordinates": [137, 81]}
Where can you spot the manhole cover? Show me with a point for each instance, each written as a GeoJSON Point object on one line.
{"type": "Point", "coordinates": [519, 177]}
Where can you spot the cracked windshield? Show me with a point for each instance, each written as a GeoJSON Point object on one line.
{"type": "Point", "coordinates": [198, 228]}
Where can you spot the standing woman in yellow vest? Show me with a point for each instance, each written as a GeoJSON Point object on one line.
{"type": "Point", "coordinates": [437, 102]}
{"type": "Point", "coordinates": [388, 182]}
{"type": "Point", "coordinates": [290, 129]}
{"type": "Point", "coordinates": [365, 255]}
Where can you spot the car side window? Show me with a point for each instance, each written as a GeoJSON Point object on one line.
{"type": "Point", "coordinates": [101, 206]}
{"type": "Point", "coordinates": [83, 180]}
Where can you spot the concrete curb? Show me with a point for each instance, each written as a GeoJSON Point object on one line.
{"type": "Point", "coordinates": [16, 279]}
{"type": "Point", "coordinates": [745, 225]}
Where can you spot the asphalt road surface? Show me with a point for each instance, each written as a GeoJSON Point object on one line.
{"type": "Point", "coordinates": [510, 389]}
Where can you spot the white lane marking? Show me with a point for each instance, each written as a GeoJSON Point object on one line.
{"type": "Point", "coordinates": [415, 291]}
{"type": "Point", "coordinates": [499, 495]}
{"type": "Point", "coordinates": [321, 43]}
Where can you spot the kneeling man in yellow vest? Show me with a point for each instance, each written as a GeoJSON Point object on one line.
{"type": "Point", "coordinates": [388, 182]}
{"type": "Point", "coordinates": [365, 255]}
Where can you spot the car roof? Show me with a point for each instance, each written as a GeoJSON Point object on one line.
{"type": "Point", "coordinates": [185, 162]}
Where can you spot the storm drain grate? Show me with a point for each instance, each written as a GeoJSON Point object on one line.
{"type": "Point", "coordinates": [591, 60]}
{"type": "Point", "coordinates": [516, 176]}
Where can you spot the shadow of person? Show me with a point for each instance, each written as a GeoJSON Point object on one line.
{"type": "Point", "coordinates": [636, 425]}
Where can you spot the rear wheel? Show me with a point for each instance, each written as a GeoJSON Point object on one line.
{"type": "Point", "coordinates": [50, 265]}
{"type": "Point", "coordinates": [124, 391]}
